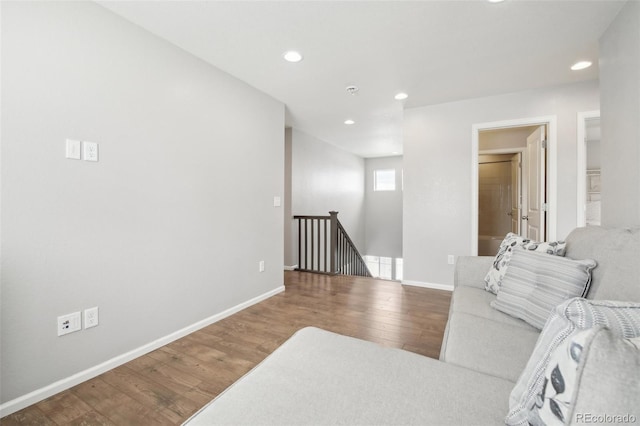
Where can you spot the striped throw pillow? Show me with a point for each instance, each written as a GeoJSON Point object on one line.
{"type": "Point", "coordinates": [535, 283]}
{"type": "Point", "coordinates": [493, 279]}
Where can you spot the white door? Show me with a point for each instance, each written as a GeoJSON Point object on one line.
{"type": "Point", "coordinates": [515, 194]}
{"type": "Point", "coordinates": [533, 221]}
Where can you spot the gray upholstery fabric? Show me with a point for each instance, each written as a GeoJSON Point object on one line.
{"type": "Point", "coordinates": [474, 301]}
{"type": "Point", "coordinates": [609, 382]}
{"type": "Point", "coordinates": [490, 347]}
{"type": "Point", "coordinates": [471, 270]}
{"type": "Point", "coordinates": [617, 276]}
{"type": "Point", "coordinates": [322, 378]}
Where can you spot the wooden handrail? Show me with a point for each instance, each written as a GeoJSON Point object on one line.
{"type": "Point", "coordinates": [324, 247]}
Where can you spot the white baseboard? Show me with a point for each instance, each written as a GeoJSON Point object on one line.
{"type": "Point", "coordinates": [38, 395]}
{"type": "Point", "coordinates": [290, 268]}
{"type": "Point", "coordinates": [447, 287]}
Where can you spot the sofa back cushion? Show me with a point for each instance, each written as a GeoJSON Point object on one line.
{"type": "Point", "coordinates": [617, 252]}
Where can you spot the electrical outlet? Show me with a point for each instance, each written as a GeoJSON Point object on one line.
{"type": "Point", "coordinates": [90, 151]}
{"type": "Point", "coordinates": [90, 317]}
{"type": "Point", "coordinates": [451, 259]}
{"type": "Point", "coordinates": [261, 266]}
{"type": "Point", "coordinates": [69, 323]}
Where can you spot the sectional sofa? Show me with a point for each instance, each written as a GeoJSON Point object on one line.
{"type": "Point", "coordinates": [318, 377]}
{"type": "Point", "coordinates": [483, 339]}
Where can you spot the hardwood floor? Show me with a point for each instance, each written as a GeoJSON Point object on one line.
{"type": "Point", "coordinates": [169, 384]}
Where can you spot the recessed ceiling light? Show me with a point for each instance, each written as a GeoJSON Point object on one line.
{"type": "Point", "coordinates": [292, 56]}
{"type": "Point", "coordinates": [349, 122]}
{"type": "Point", "coordinates": [495, 1]}
{"type": "Point", "coordinates": [401, 96]}
{"type": "Point", "coordinates": [580, 65]}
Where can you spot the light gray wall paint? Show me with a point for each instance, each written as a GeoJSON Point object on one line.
{"type": "Point", "coordinates": [383, 211]}
{"type": "Point", "coordinates": [437, 170]}
{"type": "Point", "coordinates": [620, 115]}
{"type": "Point", "coordinates": [326, 178]}
{"type": "Point", "coordinates": [167, 229]}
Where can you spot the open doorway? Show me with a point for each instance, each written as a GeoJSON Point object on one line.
{"type": "Point", "coordinates": [513, 174]}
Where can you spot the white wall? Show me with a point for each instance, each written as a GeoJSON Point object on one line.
{"type": "Point", "coordinates": [383, 211]}
{"type": "Point", "coordinates": [290, 240]}
{"type": "Point", "coordinates": [620, 115]}
{"type": "Point", "coordinates": [437, 170]}
{"type": "Point", "coordinates": [166, 230]}
{"type": "Point", "coordinates": [326, 178]}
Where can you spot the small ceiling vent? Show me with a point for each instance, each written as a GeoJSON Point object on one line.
{"type": "Point", "coordinates": [352, 90]}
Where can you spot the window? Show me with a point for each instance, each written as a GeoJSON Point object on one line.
{"type": "Point", "coordinates": [385, 271]}
{"type": "Point", "coordinates": [382, 267]}
{"type": "Point", "coordinates": [399, 273]}
{"type": "Point", "coordinates": [384, 180]}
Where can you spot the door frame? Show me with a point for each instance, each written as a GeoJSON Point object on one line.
{"type": "Point", "coordinates": [583, 116]}
{"type": "Point", "coordinates": [551, 121]}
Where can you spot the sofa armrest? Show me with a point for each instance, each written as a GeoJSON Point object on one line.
{"type": "Point", "coordinates": [471, 270]}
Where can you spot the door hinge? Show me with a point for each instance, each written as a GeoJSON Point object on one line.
{"type": "Point", "coordinates": [545, 207]}
{"type": "Point", "coordinates": [544, 144]}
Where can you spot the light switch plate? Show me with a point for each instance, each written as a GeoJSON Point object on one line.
{"type": "Point", "coordinates": [90, 151]}
{"type": "Point", "coordinates": [276, 201]}
{"type": "Point", "coordinates": [72, 149]}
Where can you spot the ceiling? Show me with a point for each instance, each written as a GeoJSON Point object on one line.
{"type": "Point", "coordinates": [436, 51]}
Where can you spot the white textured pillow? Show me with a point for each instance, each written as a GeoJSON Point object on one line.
{"type": "Point", "coordinates": [494, 277]}
{"type": "Point", "coordinates": [554, 404]}
{"type": "Point", "coordinates": [535, 283]}
{"type": "Point", "coordinates": [593, 374]}
{"type": "Point", "coordinates": [572, 316]}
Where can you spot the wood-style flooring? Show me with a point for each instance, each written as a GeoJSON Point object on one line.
{"type": "Point", "coordinates": [168, 385]}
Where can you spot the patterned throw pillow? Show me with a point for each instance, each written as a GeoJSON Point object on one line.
{"type": "Point", "coordinates": [591, 365]}
{"type": "Point", "coordinates": [572, 316]}
{"type": "Point", "coordinates": [553, 403]}
{"type": "Point", "coordinates": [494, 277]}
{"type": "Point", "coordinates": [536, 283]}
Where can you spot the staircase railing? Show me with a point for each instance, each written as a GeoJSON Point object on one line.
{"type": "Point", "coordinates": [324, 247]}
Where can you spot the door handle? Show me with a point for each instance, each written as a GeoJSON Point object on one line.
{"type": "Point", "coordinates": [525, 217]}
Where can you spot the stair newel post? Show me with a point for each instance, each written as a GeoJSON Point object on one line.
{"type": "Point", "coordinates": [334, 241]}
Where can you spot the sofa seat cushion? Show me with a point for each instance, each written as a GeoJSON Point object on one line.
{"type": "Point", "coordinates": [490, 347]}
{"type": "Point", "coordinates": [318, 377]}
{"type": "Point", "coordinates": [475, 301]}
